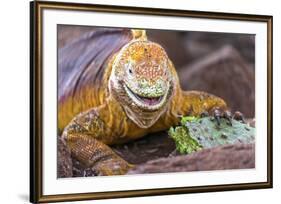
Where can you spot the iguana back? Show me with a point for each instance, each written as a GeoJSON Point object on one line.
{"type": "Point", "coordinates": [82, 65]}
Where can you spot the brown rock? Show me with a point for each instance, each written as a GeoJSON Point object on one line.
{"type": "Point", "coordinates": [200, 44]}
{"type": "Point", "coordinates": [150, 147]}
{"type": "Point", "coordinates": [64, 160]}
{"type": "Point", "coordinates": [237, 156]}
{"type": "Point", "coordinates": [224, 73]}
{"type": "Point", "coordinates": [173, 43]}
{"type": "Point", "coordinates": [70, 33]}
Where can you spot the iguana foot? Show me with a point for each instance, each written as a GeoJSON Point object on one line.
{"type": "Point", "coordinates": [112, 167]}
{"type": "Point", "coordinates": [87, 136]}
{"type": "Point", "coordinates": [218, 113]}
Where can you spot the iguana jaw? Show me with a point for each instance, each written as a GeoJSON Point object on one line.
{"type": "Point", "coordinates": [149, 103]}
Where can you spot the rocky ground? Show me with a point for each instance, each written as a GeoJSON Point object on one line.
{"type": "Point", "coordinates": [238, 156]}
{"type": "Point", "coordinates": [156, 153]}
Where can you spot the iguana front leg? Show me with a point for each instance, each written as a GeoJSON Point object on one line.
{"type": "Point", "coordinates": [87, 136]}
{"type": "Point", "coordinates": [196, 103]}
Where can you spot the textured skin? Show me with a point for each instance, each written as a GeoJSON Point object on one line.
{"type": "Point", "coordinates": [121, 88]}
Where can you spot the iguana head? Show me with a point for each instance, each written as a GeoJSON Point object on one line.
{"type": "Point", "coordinates": [141, 80]}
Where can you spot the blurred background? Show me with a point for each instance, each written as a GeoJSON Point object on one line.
{"type": "Point", "coordinates": [219, 63]}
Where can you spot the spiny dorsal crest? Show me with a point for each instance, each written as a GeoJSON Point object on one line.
{"type": "Point", "coordinates": [139, 34]}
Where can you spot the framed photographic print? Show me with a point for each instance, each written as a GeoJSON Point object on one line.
{"type": "Point", "coordinates": [131, 101]}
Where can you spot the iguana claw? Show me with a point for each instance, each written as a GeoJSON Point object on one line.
{"type": "Point", "coordinates": [238, 116]}
{"type": "Point", "coordinates": [204, 114]}
{"type": "Point", "coordinates": [218, 114]}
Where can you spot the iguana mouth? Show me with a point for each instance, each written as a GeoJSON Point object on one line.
{"type": "Point", "coordinates": [143, 101]}
{"type": "Point", "coordinates": [149, 100]}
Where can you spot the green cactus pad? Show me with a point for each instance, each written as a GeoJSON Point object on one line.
{"type": "Point", "coordinates": [200, 133]}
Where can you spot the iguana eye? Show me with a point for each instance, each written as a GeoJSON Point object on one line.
{"type": "Point", "coordinates": [129, 69]}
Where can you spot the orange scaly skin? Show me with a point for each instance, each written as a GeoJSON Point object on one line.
{"type": "Point", "coordinates": [139, 94]}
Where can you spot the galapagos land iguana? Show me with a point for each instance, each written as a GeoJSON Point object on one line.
{"type": "Point", "coordinates": [115, 86]}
